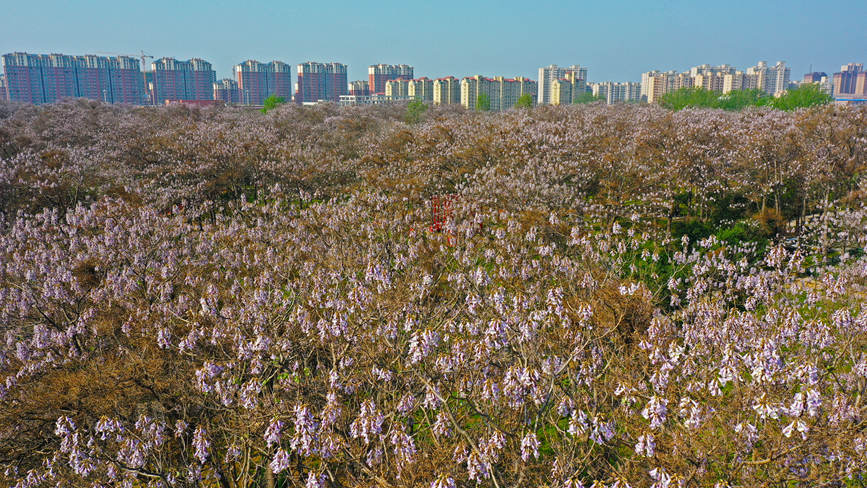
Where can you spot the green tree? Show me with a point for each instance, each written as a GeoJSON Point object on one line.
{"type": "Point", "coordinates": [524, 101]}
{"type": "Point", "coordinates": [414, 111]}
{"type": "Point", "coordinates": [740, 99]}
{"type": "Point", "coordinates": [690, 97]}
{"type": "Point", "coordinates": [808, 95]}
{"type": "Point", "coordinates": [271, 103]}
{"type": "Point", "coordinates": [586, 97]}
{"type": "Point", "coordinates": [483, 103]}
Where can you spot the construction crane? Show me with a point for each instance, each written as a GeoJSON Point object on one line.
{"type": "Point", "coordinates": [142, 56]}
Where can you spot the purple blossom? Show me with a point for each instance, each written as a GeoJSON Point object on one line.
{"type": "Point", "coordinates": [201, 444]}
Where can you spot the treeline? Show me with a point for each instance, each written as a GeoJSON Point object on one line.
{"type": "Point", "coordinates": [804, 96]}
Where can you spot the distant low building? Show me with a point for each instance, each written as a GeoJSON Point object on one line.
{"type": "Point", "coordinates": [374, 99]}
{"type": "Point", "coordinates": [195, 103]}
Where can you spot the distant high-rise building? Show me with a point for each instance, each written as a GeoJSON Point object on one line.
{"type": "Point", "coordinates": [359, 88]}
{"type": "Point", "coordinates": [58, 77]}
{"type": "Point", "coordinates": [169, 80]}
{"type": "Point", "coordinates": [553, 72]}
{"type": "Point", "coordinates": [23, 77]}
{"type": "Point", "coordinates": [258, 81]}
{"type": "Point", "coordinates": [502, 93]}
{"type": "Point", "coordinates": [739, 81]}
{"type": "Point", "coordinates": [379, 74]}
{"type": "Point", "coordinates": [94, 79]}
{"type": "Point", "coordinates": [421, 89]}
{"type": "Point", "coordinates": [709, 81]}
{"type": "Point", "coordinates": [560, 92]}
{"type": "Point", "coordinates": [850, 81]}
{"type": "Point", "coordinates": [124, 75]}
{"type": "Point", "coordinates": [824, 81]}
{"type": "Point", "coordinates": [182, 80]}
{"type": "Point", "coordinates": [320, 81]}
{"type": "Point", "coordinates": [4, 96]}
{"type": "Point", "coordinates": [200, 80]}
{"type": "Point", "coordinates": [397, 88]}
{"type": "Point", "coordinates": [617, 92]}
{"type": "Point", "coordinates": [447, 91]}
{"type": "Point", "coordinates": [655, 84]}
{"type": "Point", "coordinates": [772, 80]}
{"type": "Point", "coordinates": [227, 91]}
{"type": "Point", "coordinates": [706, 69]}
{"type": "Point", "coordinates": [47, 78]}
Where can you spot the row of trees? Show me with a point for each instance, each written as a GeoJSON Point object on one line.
{"type": "Point", "coordinates": [808, 95]}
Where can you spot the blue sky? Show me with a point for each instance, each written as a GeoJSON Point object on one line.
{"type": "Point", "coordinates": [616, 40]}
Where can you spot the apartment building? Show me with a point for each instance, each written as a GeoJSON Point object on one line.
{"type": "Point", "coordinates": [773, 80]}
{"type": "Point", "coordinates": [125, 78]}
{"type": "Point", "coordinates": [258, 81]}
{"type": "Point", "coordinates": [4, 95]}
{"type": "Point", "coordinates": [359, 88]}
{"type": "Point", "coordinates": [850, 85]}
{"type": "Point", "coordinates": [421, 89]}
{"type": "Point", "coordinates": [397, 88]}
{"type": "Point", "coordinates": [502, 93]}
{"type": "Point", "coordinates": [46, 78]}
{"type": "Point", "coordinates": [567, 90]}
{"type": "Point", "coordinates": [446, 91]}
{"type": "Point", "coordinates": [182, 80]}
{"type": "Point", "coordinates": [850, 80]}
{"type": "Point", "coordinates": [227, 91]}
{"type": "Point", "coordinates": [617, 92]}
{"type": "Point", "coordinates": [321, 82]}
{"type": "Point", "coordinates": [379, 74]}
{"type": "Point", "coordinates": [548, 74]}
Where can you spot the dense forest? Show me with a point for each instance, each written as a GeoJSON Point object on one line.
{"type": "Point", "coordinates": [320, 296]}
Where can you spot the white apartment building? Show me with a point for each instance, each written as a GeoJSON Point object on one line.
{"type": "Point", "coordinates": [617, 92]}
{"type": "Point", "coordinates": [773, 80]}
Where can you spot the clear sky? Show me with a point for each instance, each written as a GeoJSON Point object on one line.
{"type": "Point", "coordinates": [616, 40]}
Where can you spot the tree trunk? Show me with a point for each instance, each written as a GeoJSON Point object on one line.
{"type": "Point", "coordinates": [269, 477]}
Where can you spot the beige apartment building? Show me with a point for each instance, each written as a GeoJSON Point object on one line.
{"type": "Point", "coordinates": [503, 93]}
{"type": "Point", "coordinates": [472, 87]}
{"type": "Point", "coordinates": [421, 89]}
{"type": "Point", "coordinates": [397, 88]}
{"type": "Point", "coordinates": [446, 91]}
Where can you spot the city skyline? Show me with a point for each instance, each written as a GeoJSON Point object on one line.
{"type": "Point", "coordinates": [44, 78]}
{"type": "Point", "coordinates": [476, 39]}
